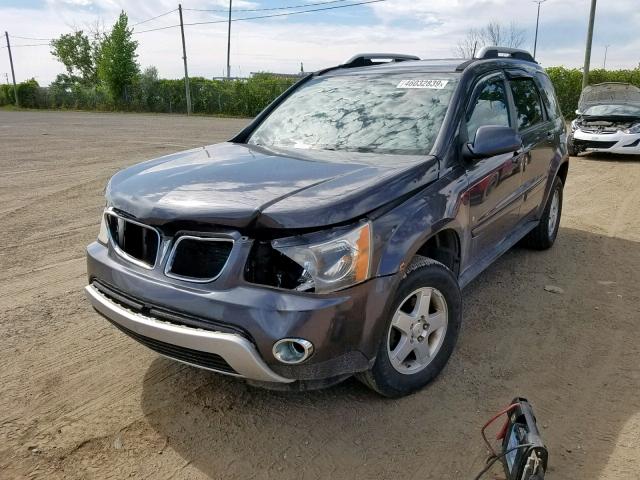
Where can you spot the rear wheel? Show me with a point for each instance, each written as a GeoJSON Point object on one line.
{"type": "Point", "coordinates": [544, 235]}
{"type": "Point", "coordinates": [421, 331]}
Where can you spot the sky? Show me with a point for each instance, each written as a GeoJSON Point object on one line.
{"type": "Point", "coordinates": [427, 28]}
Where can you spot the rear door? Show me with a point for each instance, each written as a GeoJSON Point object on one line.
{"type": "Point", "coordinates": [538, 137]}
{"type": "Point", "coordinates": [494, 195]}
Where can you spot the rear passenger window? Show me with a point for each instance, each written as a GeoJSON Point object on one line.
{"type": "Point", "coordinates": [549, 96]}
{"type": "Point", "coordinates": [490, 108]}
{"type": "Point", "coordinates": [527, 102]}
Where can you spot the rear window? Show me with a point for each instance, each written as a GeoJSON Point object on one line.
{"type": "Point", "coordinates": [397, 113]}
{"type": "Point", "coordinates": [527, 102]}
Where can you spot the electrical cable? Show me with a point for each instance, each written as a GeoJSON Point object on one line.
{"type": "Point", "coordinates": [495, 458]}
{"type": "Point", "coordinates": [290, 7]}
{"type": "Point", "coordinates": [493, 419]}
{"type": "Point", "coordinates": [30, 45]}
{"type": "Point", "coordinates": [284, 14]}
{"type": "Point", "coordinates": [30, 38]}
{"type": "Point", "coordinates": [153, 18]}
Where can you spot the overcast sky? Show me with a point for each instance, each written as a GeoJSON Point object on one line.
{"type": "Point", "coordinates": [427, 28]}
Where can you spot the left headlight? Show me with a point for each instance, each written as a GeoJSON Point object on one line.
{"type": "Point", "coordinates": [633, 129]}
{"type": "Point", "coordinates": [330, 264]}
{"type": "Point", "coordinates": [103, 234]}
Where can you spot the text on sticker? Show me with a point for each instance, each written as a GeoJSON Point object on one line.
{"type": "Point", "coordinates": [435, 84]}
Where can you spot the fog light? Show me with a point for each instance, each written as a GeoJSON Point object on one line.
{"type": "Point", "coordinates": [292, 350]}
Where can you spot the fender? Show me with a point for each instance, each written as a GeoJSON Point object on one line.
{"type": "Point", "coordinates": [442, 205]}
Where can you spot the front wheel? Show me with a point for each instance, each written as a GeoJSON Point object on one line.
{"type": "Point", "coordinates": [421, 331]}
{"type": "Point", "coordinates": [571, 148]}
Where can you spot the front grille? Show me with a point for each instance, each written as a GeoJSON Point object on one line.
{"type": "Point", "coordinates": [194, 357]}
{"type": "Point", "coordinates": [592, 144]}
{"type": "Point", "coordinates": [162, 313]}
{"type": "Point", "coordinates": [135, 241]}
{"type": "Point", "coordinates": [199, 259]}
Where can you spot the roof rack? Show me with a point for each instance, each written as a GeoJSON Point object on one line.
{"type": "Point", "coordinates": [368, 59]}
{"type": "Point", "coordinates": [497, 52]}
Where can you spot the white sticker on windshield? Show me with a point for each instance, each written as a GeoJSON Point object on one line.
{"type": "Point", "coordinates": [434, 84]}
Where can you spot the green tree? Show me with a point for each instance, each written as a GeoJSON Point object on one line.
{"type": "Point", "coordinates": [117, 65]}
{"type": "Point", "coordinates": [77, 52]}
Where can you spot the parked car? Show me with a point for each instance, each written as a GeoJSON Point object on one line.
{"type": "Point", "coordinates": [608, 120]}
{"type": "Point", "coordinates": [333, 235]}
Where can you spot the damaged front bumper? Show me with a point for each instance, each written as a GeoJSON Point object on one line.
{"type": "Point", "coordinates": [618, 142]}
{"type": "Point", "coordinates": [230, 326]}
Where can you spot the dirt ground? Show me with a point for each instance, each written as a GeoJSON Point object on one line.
{"type": "Point", "coordinates": [80, 400]}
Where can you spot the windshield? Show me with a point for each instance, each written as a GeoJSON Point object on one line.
{"type": "Point", "coordinates": [613, 111]}
{"type": "Point", "coordinates": [399, 113]}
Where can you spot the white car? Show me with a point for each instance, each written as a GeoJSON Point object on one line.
{"type": "Point", "coordinates": [608, 120]}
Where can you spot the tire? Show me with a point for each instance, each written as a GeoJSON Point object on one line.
{"type": "Point", "coordinates": [544, 235]}
{"type": "Point", "coordinates": [439, 290]}
{"type": "Point", "coordinates": [571, 148]}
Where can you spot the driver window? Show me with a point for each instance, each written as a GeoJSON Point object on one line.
{"type": "Point", "coordinates": [489, 108]}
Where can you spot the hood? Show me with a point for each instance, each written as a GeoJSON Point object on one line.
{"type": "Point", "coordinates": [622, 94]}
{"type": "Point", "coordinates": [246, 186]}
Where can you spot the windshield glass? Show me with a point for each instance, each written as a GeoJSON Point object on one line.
{"type": "Point", "coordinates": [613, 111]}
{"type": "Point", "coordinates": [399, 113]}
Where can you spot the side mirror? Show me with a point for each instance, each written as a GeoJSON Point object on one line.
{"type": "Point", "coordinates": [493, 140]}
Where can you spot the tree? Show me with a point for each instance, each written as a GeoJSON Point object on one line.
{"type": "Point", "coordinates": [493, 33]}
{"type": "Point", "coordinates": [78, 54]}
{"type": "Point", "coordinates": [117, 65]}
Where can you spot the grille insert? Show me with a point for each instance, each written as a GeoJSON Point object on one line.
{"type": "Point", "coordinates": [198, 259]}
{"type": "Point", "coordinates": [592, 144]}
{"type": "Point", "coordinates": [208, 360]}
{"type": "Point", "coordinates": [135, 241]}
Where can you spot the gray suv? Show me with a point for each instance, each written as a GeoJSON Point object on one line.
{"type": "Point", "coordinates": [333, 235]}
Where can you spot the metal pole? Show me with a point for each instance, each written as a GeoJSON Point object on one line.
{"type": "Point", "coordinates": [535, 42]}
{"type": "Point", "coordinates": [604, 62]}
{"type": "Point", "coordinates": [229, 44]}
{"type": "Point", "coordinates": [13, 73]}
{"type": "Point", "coordinates": [184, 57]}
{"type": "Point", "coordinates": [587, 51]}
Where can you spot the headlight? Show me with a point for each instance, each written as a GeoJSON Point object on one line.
{"type": "Point", "coordinates": [574, 125]}
{"type": "Point", "coordinates": [330, 264]}
{"type": "Point", "coordinates": [633, 129]}
{"type": "Point", "coordinates": [103, 234]}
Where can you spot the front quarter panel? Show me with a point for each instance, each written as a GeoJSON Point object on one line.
{"type": "Point", "coordinates": [402, 231]}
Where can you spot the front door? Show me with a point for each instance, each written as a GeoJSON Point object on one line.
{"type": "Point", "coordinates": [495, 195]}
{"type": "Point", "coordinates": [537, 133]}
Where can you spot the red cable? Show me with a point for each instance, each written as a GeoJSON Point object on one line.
{"type": "Point", "coordinates": [493, 419]}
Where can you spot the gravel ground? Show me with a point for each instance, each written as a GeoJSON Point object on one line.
{"type": "Point", "coordinates": [80, 400]}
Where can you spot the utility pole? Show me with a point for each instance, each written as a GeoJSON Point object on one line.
{"type": "Point", "coordinates": [184, 57]}
{"type": "Point", "coordinates": [229, 44]}
{"type": "Point", "coordinates": [587, 51]}
{"type": "Point", "coordinates": [535, 42]}
{"type": "Point", "coordinates": [13, 73]}
{"type": "Point", "coordinates": [604, 62]}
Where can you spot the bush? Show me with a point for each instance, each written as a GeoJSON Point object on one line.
{"type": "Point", "coordinates": [244, 98]}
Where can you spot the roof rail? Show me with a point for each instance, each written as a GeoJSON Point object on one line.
{"type": "Point", "coordinates": [368, 59]}
{"type": "Point", "coordinates": [497, 52]}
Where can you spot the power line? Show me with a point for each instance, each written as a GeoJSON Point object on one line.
{"type": "Point", "coordinates": [30, 45]}
{"type": "Point", "coordinates": [258, 17]}
{"type": "Point", "coordinates": [30, 38]}
{"type": "Point", "coordinates": [290, 7]}
{"type": "Point", "coordinates": [159, 28]}
{"type": "Point", "coordinates": [286, 14]}
{"type": "Point", "coordinates": [153, 18]}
